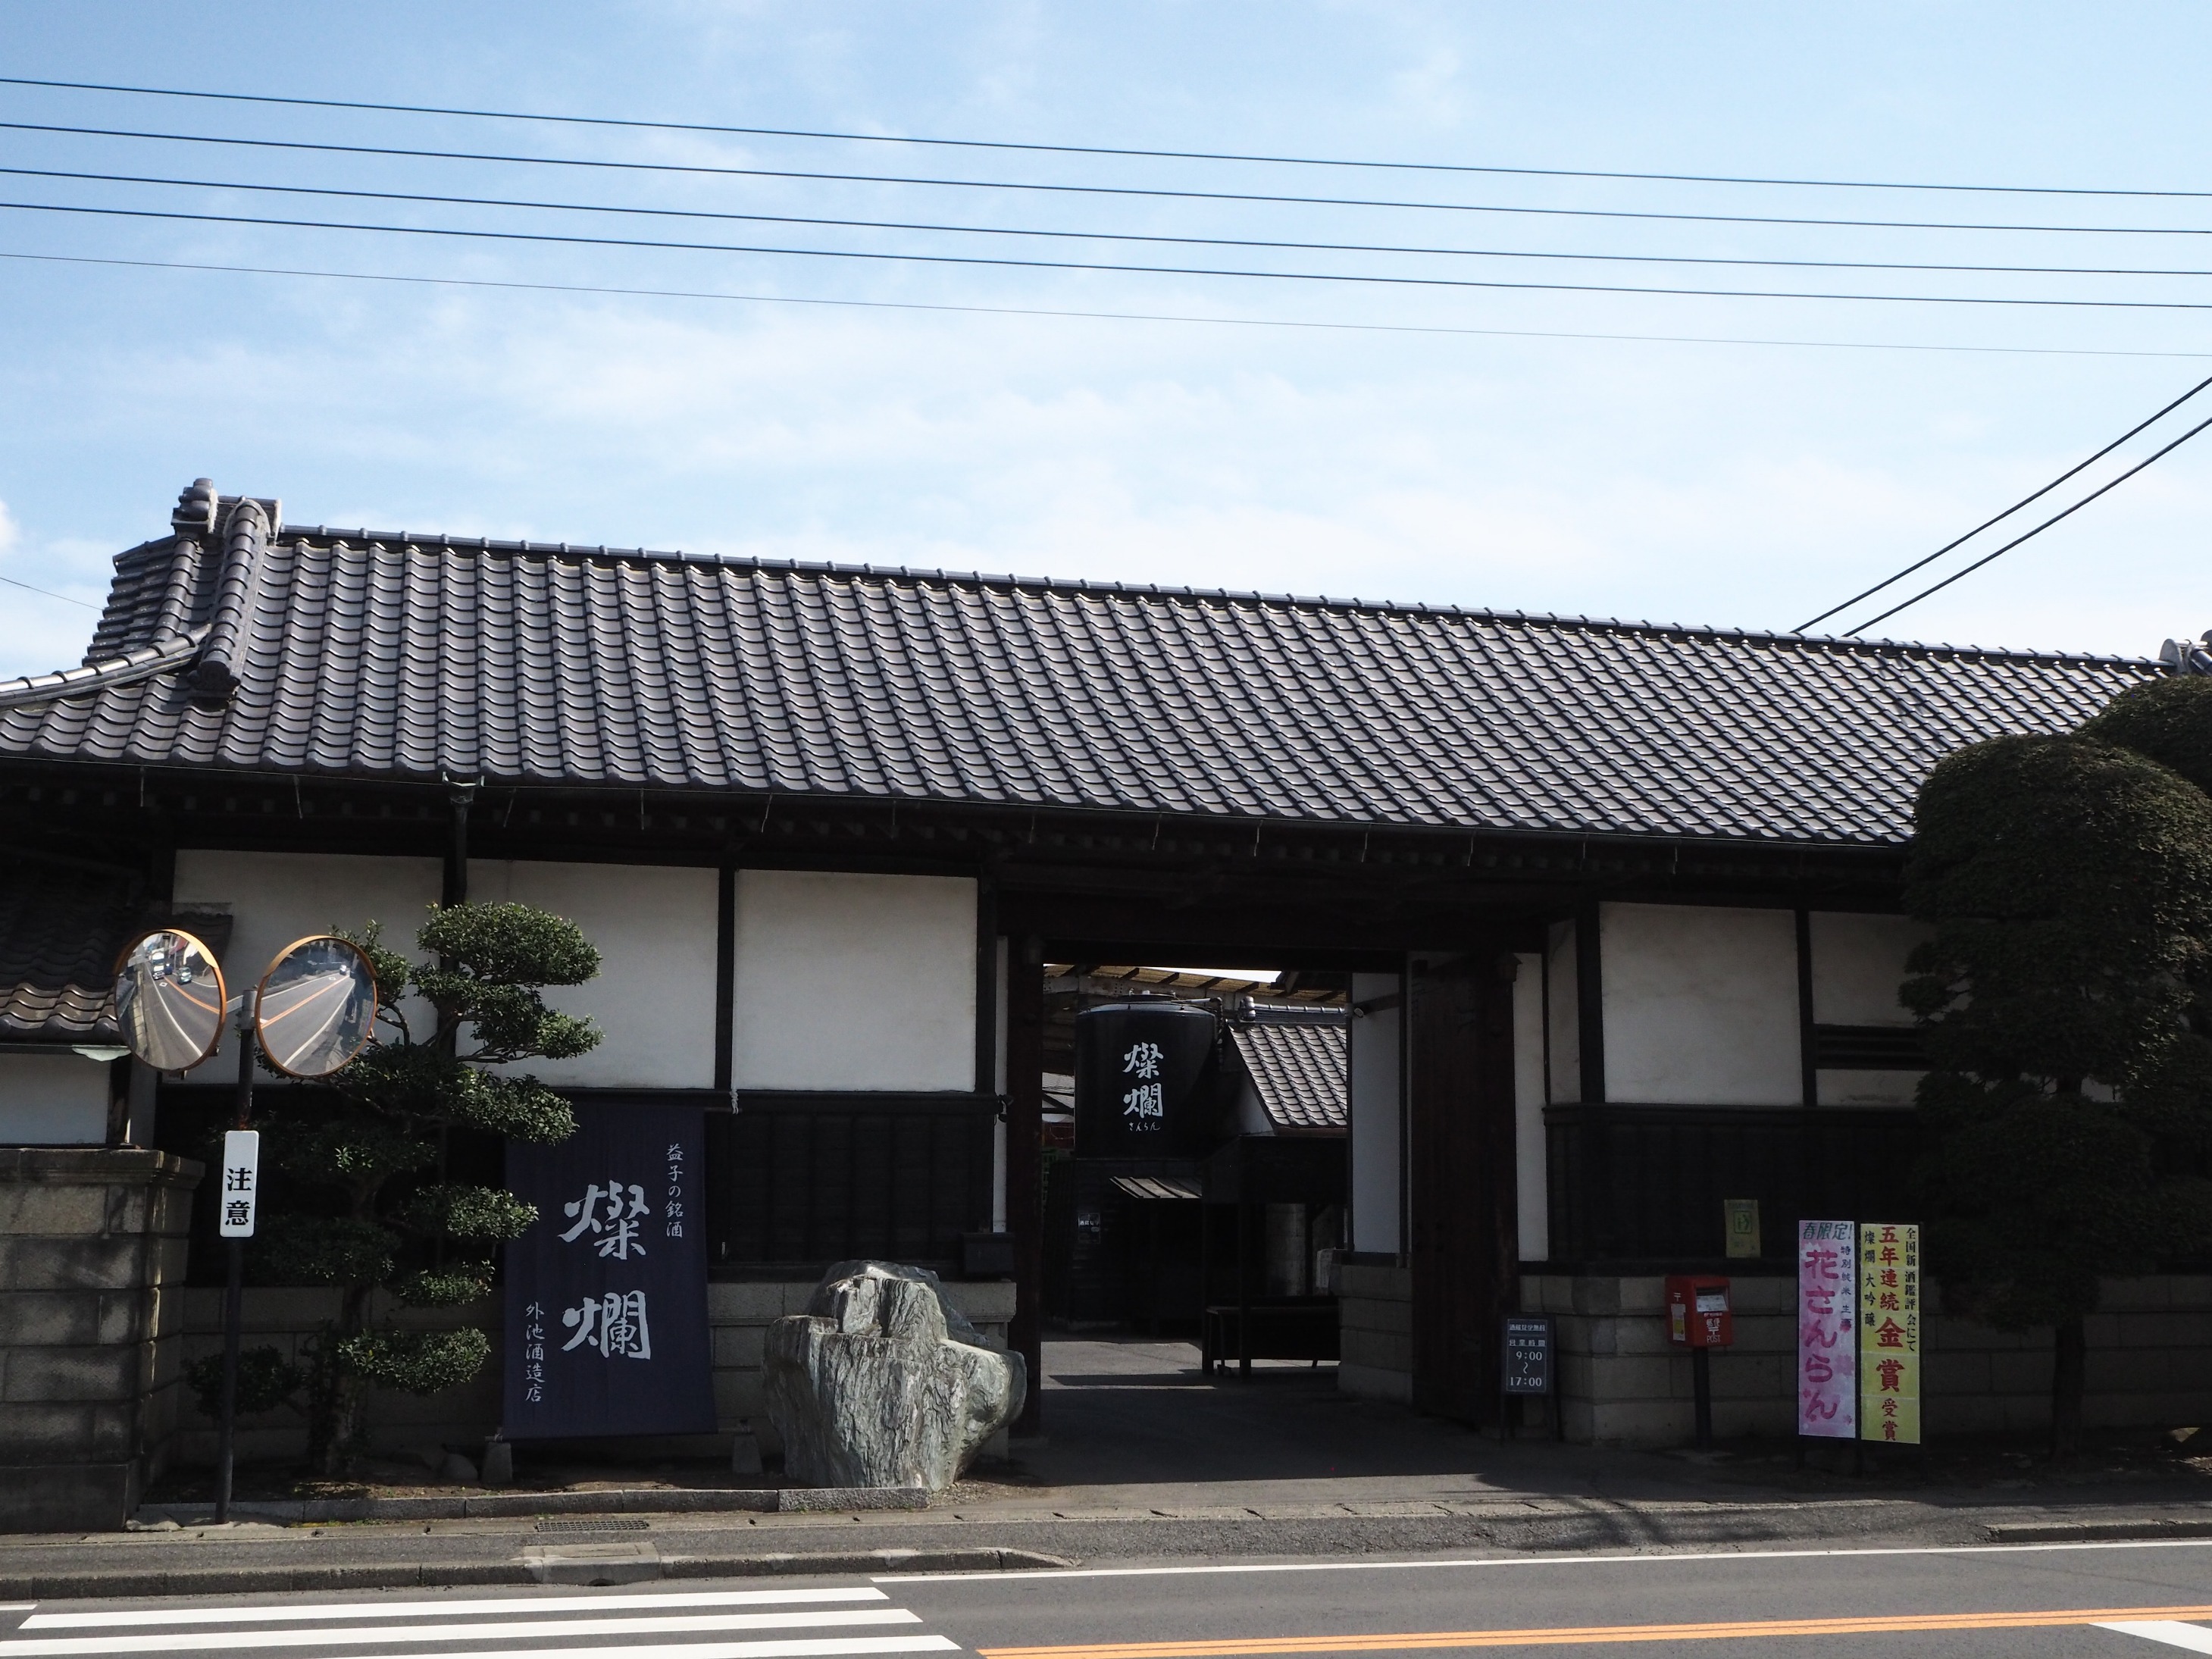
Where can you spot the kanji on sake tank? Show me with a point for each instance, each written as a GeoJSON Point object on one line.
{"type": "Point", "coordinates": [607, 1291]}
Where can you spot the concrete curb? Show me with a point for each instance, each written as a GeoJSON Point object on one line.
{"type": "Point", "coordinates": [522, 1505]}
{"type": "Point", "coordinates": [2093, 1532]}
{"type": "Point", "coordinates": [430, 1574]}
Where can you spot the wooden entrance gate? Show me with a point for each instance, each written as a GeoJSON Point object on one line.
{"type": "Point", "coordinates": [1465, 1234]}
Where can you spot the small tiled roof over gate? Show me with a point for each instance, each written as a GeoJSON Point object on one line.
{"type": "Point", "coordinates": [1300, 1069]}
{"type": "Point", "coordinates": [236, 643]}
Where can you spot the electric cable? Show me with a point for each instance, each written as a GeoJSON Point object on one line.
{"type": "Point", "coordinates": [1986, 558]}
{"type": "Point", "coordinates": [703, 170]}
{"type": "Point", "coordinates": [2024, 500]}
{"type": "Point", "coordinates": [1001, 262]}
{"type": "Point", "coordinates": [49, 592]}
{"type": "Point", "coordinates": [1091, 150]}
{"type": "Point", "coordinates": [1096, 235]}
{"type": "Point", "coordinates": [1086, 316]}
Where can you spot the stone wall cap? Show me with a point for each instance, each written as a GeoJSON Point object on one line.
{"type": "Point", "coordinates": [99, 1165]}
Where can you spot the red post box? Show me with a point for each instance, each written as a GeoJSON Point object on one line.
{"type": "Point", "coordinates": [1697, 1314]}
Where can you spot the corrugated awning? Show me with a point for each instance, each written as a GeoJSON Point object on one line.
{"type": "Point", "coordinates": [1160, 1186]}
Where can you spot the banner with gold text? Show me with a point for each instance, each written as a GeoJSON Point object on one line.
{"type": "Point", "coordinates": [1889, 1332]}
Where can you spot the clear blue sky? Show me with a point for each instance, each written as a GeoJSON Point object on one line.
{"type": "Point", "coordinates": [1725, 484]}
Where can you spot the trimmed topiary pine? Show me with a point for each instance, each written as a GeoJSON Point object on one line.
{"type": "Point", "coordinates": [2168, 719]}
{"type": "Point", "coordinates": [2066, 1121]}
{"type": "Point", "coordinates": [379, 1214]}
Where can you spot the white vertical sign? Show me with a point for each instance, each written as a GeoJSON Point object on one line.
{"type": "Point", "coordinates": [241, 1183]}
{"type": "Point", "coordinates": [1827, 1345]}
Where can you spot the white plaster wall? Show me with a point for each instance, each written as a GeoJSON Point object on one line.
{"type": "Point", "coordinates": [1562, 1046]}
{"type": "Point", "coordinates": [855, 982]}
{"type": "Point", "coordinates": [52, 1100]}
{"type": "Point", "coordinates": [654, 999]}
{"type": "Point", "coordinates": [1858, 962]}
{"type": "Point", "coordinates": [277, 897]}
{"type": "Point", "coordinates": [1533, 1199]}
{"type": "Point", "coordinates": [1376, 1061]}
{"type": "Point", "coordinates": [1844, 1088]}
{"type": "Point", "coordinates": [1700, 1005]}
{"type": "Point", "coordinates": [1252, 1117]}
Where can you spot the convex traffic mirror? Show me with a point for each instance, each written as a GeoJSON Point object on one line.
{"type": "Point", "coordinates": [316, 1007]}
{"type": "Point", "coordinates": [169, 999]}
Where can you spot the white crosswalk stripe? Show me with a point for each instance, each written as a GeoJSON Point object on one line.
{"type": "Point", "coordinates": [502, 1627]}
{"type": "Point", "coordinates": [63, 1647]}
{"type": "Point", "coordinates": [2195, 1637]}
{"type": "Point", "coordinates": [297, 1613]}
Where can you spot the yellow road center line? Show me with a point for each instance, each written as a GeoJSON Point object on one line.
{"type": "Point", "coordinates": [1554, 1635]}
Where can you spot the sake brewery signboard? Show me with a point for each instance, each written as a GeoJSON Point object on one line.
{"type": "Point", "coordinates": [607, 1290]}
{"type": "Point", "coordinates": [1827, 1353]}
{"type": "Point", "coordinates": [1889, 1332]}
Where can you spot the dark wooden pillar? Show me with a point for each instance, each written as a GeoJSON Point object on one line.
{"type": "Point", "coordinates": [1025, 1163]}
{"type": "Point", "coordinates": [1465, 1229]}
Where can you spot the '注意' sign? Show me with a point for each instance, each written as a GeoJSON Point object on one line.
{"type": "Point", "coordinates": [1827, 1393]}
{"type": "Point", "coordinates": [241, 1183]}
{"type": "Point", "coordinates": [607, 1290]}
{"type": "Point", "coordinates": [1889, 1332]}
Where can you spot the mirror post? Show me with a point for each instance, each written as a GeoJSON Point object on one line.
{"type": "Point", "coordinates": [233, 1298]}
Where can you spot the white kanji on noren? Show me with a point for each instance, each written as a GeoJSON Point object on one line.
{"type": "Point", "coordinates": [616, 1232]}
{"type": "Point", "coordinates": [613, 1323]}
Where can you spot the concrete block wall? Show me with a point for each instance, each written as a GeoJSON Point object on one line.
{"type": "Point", "coordinates": [92, 1261]}
{"type": "Point", "coordinates": [1375, 1322]}
{"type": "Point", "coordinates": [1623, 1384]}
{"type": "Point", "coordinates": [738, 1316]}
{"type": "Point", "coordinates": [288, 1320]}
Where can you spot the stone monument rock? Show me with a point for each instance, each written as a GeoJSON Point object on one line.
{"type": "Point", "coordinates": [881, 1383]}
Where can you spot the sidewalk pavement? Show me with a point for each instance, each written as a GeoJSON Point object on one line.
{"type": "Point", "coordinates": [1144, 1461]}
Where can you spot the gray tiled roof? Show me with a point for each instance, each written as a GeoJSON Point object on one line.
{"type": "Point", "coordinates": [399, 655]}
{"type": "Point", "coordinates": [63, 925]}
{"type": "Point", "coordinates": [1300, 1070]}
{"type": "Point", "coordinates": [61, 929]}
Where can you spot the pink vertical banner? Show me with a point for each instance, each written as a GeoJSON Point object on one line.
{"type": "Point", "coordinates": [1827, 1339]}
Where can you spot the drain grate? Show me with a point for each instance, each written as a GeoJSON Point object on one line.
{"type": "Point", "coordinates": [593, 1526]}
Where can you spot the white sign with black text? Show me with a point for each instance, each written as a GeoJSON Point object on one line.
{"type": "Point", "coordinates": [241, 1183]}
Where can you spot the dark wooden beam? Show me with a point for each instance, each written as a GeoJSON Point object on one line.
{"type": "Point", "coordinates": [1025, 1163]}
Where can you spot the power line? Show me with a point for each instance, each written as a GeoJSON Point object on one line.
{"type": "Point", "coordinates": [1088, 316]}
{"type": "Point", "coordinates": [1000, 262]}
{"type": "Point", "coordinates": [1155, 238]}
{"type": "Point", "coordinates": [701, 169]}
{"type": "Point", "coordinates": [1987, 557]}
{"type": "Point", "coordinates": [1096, 149]}
{"type": "Point", "coordinates": [48, 591]}
{"type": "Point", "coordinates": [2023, 501]}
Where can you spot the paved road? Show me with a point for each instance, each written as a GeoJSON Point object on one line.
{"type": "Point", "coordinates": [2079, 1602]}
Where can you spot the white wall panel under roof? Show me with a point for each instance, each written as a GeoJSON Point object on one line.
{"type": "Point", "coordinates": [848, 982]}
{"type": "Point", "coordinates": [276, 898]}
{"type": "Point", "coordinates": [1843, 1087]}
{"type": "Point", "coordinates": [1858, 962]}
{"type": "Point", "coordinates": [1700, 1005]}
{"type": "Point", "coordinates": [654, 999]}
{"type": "Point", "coordinates": [52, 1100]}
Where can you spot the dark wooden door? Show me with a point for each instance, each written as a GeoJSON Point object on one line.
{"type": "Point", "coordinates": [1465, 1230]}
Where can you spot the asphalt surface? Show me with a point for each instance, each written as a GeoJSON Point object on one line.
{"type": "Point", "coordinates": [2027, 1601]}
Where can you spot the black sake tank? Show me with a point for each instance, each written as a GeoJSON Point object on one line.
{"type": "Point", "coordinates": [1140, 1071]}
